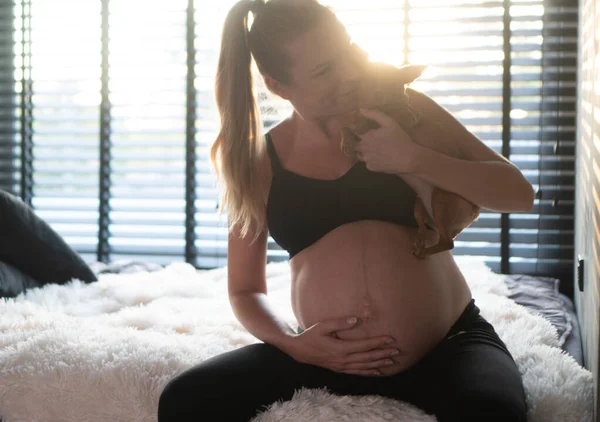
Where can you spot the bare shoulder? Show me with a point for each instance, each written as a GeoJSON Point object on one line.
{"type": "Point", "coordinates": [282, 130]}
{"type": "Point", "coordinates": [275, 133]}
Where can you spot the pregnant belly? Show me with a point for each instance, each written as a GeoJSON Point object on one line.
{"type": "Point", "coordinates": [365, 269]}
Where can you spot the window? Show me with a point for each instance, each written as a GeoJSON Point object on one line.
{"type": "Point", "coordinates": [107, 114]}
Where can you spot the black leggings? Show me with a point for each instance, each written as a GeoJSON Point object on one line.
{"type": "Point", "coordinates": [468, 376]}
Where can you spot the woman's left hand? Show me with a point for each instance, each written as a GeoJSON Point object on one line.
{"type": "Point", "coordinates": [388, 149]}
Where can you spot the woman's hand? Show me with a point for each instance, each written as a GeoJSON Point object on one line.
{"type": "Point", "coordinates": [317, 346]}
{"type": "Point", "coordinates": [388, 149]}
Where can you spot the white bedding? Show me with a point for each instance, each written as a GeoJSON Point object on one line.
{"type": "Point", "coordinates": [104, 351]}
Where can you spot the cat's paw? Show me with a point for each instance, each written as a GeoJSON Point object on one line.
{"type": "Point", "coordinates": [418, 252]}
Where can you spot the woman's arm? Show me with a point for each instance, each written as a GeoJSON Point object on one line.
{"type": "Point", "coordinates": [247, 287]}
{"type": "Point", "coordinates": [494, 185]}
{"type": "Point", "coordinates": [484, 177]}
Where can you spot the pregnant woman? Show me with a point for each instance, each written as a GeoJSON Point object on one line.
{"type": "Point", "coordinates": [349, 228]}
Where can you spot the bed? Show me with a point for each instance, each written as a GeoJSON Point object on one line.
{"type": "Point", "coordinates": [104, 350]}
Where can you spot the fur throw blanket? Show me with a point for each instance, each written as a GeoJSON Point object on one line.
{"type": "Point", "coordinates": [105, 350]}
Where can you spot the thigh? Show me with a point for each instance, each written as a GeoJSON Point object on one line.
{"type": "Point", "coordinates": [231, 386]}
{"type": "Point", "coordinates": [471, 376]}
{"type": "Point", "coordinates": [236, 385]}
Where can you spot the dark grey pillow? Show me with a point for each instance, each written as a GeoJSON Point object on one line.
{"type": "Point", "coordinates": [541, 295]}
{"type": "Point", "coordinates": [13, 282]}
{"type": "Point", "coordinates": [30, 245]}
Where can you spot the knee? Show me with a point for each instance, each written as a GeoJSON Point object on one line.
{"type": "Point", "coordinates": [182, 398]}
{"type": "Point", "coordinates": [169, 401]}
{"type": "Point", "coordinates": [197, 390]}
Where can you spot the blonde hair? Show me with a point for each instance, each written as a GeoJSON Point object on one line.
{"type": "Point", "coordinates": [239, 149]}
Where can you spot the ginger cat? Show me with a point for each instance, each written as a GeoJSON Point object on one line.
{"type": "Point", "coordinates": [384, 88]}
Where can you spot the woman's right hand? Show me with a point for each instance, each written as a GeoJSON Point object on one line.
{"type": "Point", "coordinates": [318, 345]}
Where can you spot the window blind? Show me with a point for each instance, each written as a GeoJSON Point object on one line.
{"type": "Point", "coordinates": [9, 113]}
{"type": "Point", "coordinates": [124, 116]}
{"type": "Point", "coordinates": [59, 97]}
{"type": "Point", "coordinates": [147, 83]}
{"type": "Point", "coordinates": [543, 125]}
{"type": "Point", "coordinates": [211, 229]}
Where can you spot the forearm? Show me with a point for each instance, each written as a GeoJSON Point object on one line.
{"type": "Point", "coordinates": [255, 313]}
{"type": "Point", "coordinates": [493, 185]}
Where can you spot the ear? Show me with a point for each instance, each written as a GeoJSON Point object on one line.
{"type": "Point", "coordinates": [276, 88]}
{"type": "Point", "coordinates": [359, 52]}
{"type": "Point", "coordinates": [408, 73]}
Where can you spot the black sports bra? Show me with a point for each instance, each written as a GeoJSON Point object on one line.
{"type": "Point", "coordinates": [301, 209]}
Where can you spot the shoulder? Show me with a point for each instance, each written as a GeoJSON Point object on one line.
{"type": "Point", "coordinates": [278, 135]}
{"type": "Point", "coordinates": [275, 133]}
{"type": "Point", "coordinates": [282, 130]}
{"type": "Point", "coordinates": [444, 128]}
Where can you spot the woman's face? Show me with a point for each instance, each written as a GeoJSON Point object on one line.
{"type": "Point", "coordinates": [325, 74]}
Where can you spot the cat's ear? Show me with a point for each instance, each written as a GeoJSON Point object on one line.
{"type": "Point", "coordinates": [408, 73]}
{"type": "Point", "coordinates": [359, 52]}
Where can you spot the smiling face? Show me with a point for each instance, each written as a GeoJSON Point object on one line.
{"type": "Point", "coordinates": [325, 73]}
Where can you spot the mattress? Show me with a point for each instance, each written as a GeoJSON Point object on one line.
{"type": "Point", "coordinates": [105, 350]}
{"type": "Point", "coordinates": [539, 295]}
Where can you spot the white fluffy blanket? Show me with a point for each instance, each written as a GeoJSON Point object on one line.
{"type": "Point", "coordinates": [104, 351]}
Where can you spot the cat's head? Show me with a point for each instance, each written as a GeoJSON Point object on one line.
{"type": "Point", "coordinates": [384, 88]}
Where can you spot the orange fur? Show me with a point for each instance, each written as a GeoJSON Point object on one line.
{"type": "Point", "coordinates": [384, 88]}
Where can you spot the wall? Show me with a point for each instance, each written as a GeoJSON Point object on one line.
{"type": "Point", "coordinates": [587, 185]}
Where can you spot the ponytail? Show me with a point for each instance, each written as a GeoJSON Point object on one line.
{"type": "Point", "coordinates": [239, 148]}
{"type": "Point", "coordinates": [239, 151]}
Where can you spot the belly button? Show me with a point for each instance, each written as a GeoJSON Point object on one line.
{"type": "Point", "coordinates": [367, 312]}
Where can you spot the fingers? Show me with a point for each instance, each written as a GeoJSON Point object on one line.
{"type": "Point", "coordinates": [382, 119]}
{"type": "Point", "coordinates": [359, 357]}
{"type": "Point", "coordinates": [364, 372]}
{"type": "Point", "coordinates": [363, 363]}
{"type": "Point", "coordinates": [369, 365]}
{"type": "Point", "coordinates": [350, 134]}
{"type": "Point", "coordinates": [364, 345]}
{"type": "Point", "coordinates": [336, 324]}
{"type": "Point", "coordinates": [371, 356]}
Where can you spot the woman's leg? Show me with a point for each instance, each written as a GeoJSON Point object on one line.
{"type": "Point", "coordinates": [236, 385]}
{"type": "Point", "coordinates": [470, 376]}
{"type": "Point", "coordinates": [232, 386]}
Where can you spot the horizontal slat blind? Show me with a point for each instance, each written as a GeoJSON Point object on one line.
{"type": "Point", "coordinates": [10, 49]}
{"type": "Point", "coordinates": [66, 88]}
{"type": "Point", "coordinates": [147, 56]}
{"type": "Point", "coordinates": [462, 46]}
{"type": "Point", "coordinates": [544, 62]}
{"type": "Point", "coordinates": [461, 42]}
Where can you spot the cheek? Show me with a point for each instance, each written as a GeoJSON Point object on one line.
{"type": "Point", "coordinates": [314, 96]}
{"type": "Point", "coordinates": [304, 105]}
{"type": "Point", "coordinates": [324, 93]}
{"type": "Point", "coordinates": [315, 99]}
